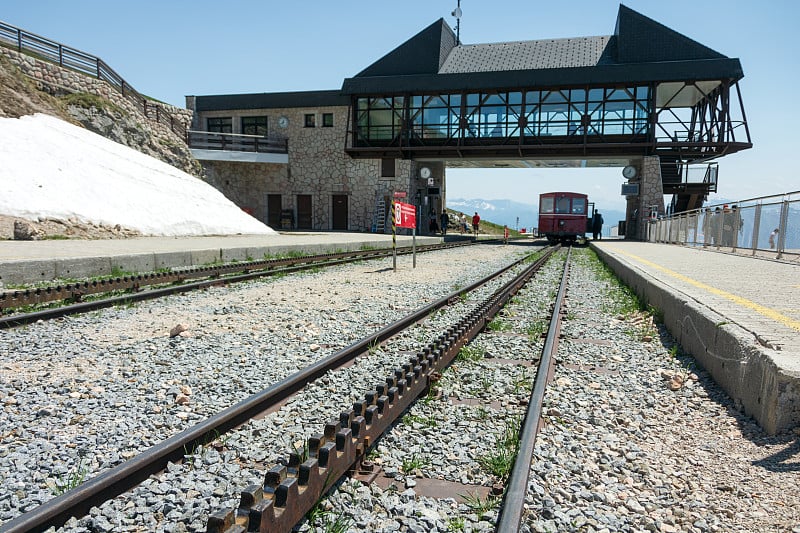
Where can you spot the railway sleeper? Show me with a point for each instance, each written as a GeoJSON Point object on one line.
{"type": "Point", "coordinates": [292, 488]}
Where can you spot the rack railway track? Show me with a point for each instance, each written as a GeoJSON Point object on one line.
{"type": "Point", "coordinates": [291, 489]}
{"type": "Point", "coordinates": [175, 281]}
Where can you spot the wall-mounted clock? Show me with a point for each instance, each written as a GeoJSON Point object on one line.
{"type": "Point", "coordinates": [283, 122]}
{"type": "Point", "coordinates": [629, 172]}
{"type": "Point", "coordinates": [425, 173]}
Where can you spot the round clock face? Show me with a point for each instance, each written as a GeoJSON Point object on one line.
{"type": "Point", "coordinates": [425, 172]}
{"type": "Point", "coordinates": [629, 171]}
{"type": "Point", "coordinates": [283, 122]}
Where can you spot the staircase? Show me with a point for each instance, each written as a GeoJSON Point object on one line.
{"type": "Point", "coordinates": [690, 195]}
{"type": "Point", "coordinates": [670, 173]}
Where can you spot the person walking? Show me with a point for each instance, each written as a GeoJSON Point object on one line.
{"type": "Point", "coordinates": [773, 238]}
{"type": "Point", "coordinates": [597, 225]}
{"type": "Point", "coordinates": [476, 222]}
{"type": "Point", "coordinates": [445, 219]}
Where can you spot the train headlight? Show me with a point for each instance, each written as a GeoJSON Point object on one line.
{"type": "Point", "coordinates": [560, 223]}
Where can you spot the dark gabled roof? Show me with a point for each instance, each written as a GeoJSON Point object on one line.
{"type": "Point", "coordinates": [640, 51]}
{"type": "Point", "coordinates": [271, 100]}
{"type": "Point", "coordinates": [643, 40]}
{"type": "Point", "coordinates": [424, 53]}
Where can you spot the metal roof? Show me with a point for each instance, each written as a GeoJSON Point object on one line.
{"type": "Point", "coordinates": [641, 50]}
{"type": "Point", "coordinates": [526, 55]}
{"type": "Point", "coordinates": [271, 100]}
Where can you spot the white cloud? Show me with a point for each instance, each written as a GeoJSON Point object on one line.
{"type": "Point", "coordinates": [50, 168]}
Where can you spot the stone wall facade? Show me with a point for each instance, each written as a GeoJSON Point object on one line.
{"type": "Point", "coordinates": [318, 166]}
{"type": "Point", "coordinates": [650, 198]}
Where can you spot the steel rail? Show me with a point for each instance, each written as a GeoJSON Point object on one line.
{"type": "Point", "coordinates": [76, 291]}
{"type": "Point", "coordinates": [121, 478]}
{"type": "Point", "coordinates": [510, 515]}
{"type": "Point", "coordinates": [268, 268]}
{"type": "Point", "coordinates": [294, 486]}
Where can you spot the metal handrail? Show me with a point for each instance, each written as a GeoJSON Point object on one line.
{"type": "Point", "coordinates": [765, 224]}
{"type": "Point", "coordinates": [209, 140]}
{"type": "Point", "coordinates": [79, 61]}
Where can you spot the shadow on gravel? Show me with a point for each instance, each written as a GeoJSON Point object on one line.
{"type": "Point", "coordinates": [786, 460]}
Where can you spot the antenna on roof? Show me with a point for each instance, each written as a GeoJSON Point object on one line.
{"type": "Point", "coordinates": [457, 14]}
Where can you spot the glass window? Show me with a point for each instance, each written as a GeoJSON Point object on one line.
{"type": "Point", "coordinates": [595, 95]}
{"type": "Point", "coordinates": [219, 124]}
{"type": "Point", "coordinates": [562, 205]}
{"type": "Point", "coordinates": [546, 204]}
{"type": "Point", "coordinates": [388, 168]}
{"type": "Point", "coordinates": [577, 95]}
{"type": "Point", "coordinates": [327, 120]}
{"type": "Point", "coordinates": [578, 206]}
{"type": "Point", "coordinates": [310, 120]}
{"type": "Point", "coordinates": [555, 96]}
{"type": "Point", "coordinates": [254, 126]}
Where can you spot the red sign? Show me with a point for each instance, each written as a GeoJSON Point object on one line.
{"type": "Point", "coordinates": [405, 215]}
{"type": "Point", "coordinates": [400, 194]}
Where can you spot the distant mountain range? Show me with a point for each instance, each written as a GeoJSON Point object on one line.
{"type": "Point", "coordinates": [516, 215]}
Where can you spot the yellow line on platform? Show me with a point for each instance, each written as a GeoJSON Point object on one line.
{"type": "Point", "coordinates": [758, 308]}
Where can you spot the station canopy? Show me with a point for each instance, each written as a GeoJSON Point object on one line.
{"type": "Point", "coordinates": [586, 101]}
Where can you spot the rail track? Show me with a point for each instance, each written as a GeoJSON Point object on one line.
{"type": "Point", "coordinates": [84, 296]}
{"type": "Point", "coordinates": [293, 487]}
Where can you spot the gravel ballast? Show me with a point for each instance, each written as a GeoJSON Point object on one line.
{"type": "Point", "coordinates": [84, 393]}
{"type": "Point", "coordinates": [635, 438]}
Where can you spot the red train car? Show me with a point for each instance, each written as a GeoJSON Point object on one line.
{"type": "Point", "coordinates": [564, 216]}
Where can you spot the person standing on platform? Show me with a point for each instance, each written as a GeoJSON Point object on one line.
{"type": "Point", "coordinates": [707, 233]}
{"type": "Point", "coordinates": [445, 219]}
{"type": "Point", "coordinates": [505, 234]}
{"type": "Point", "coordinates": [773, 238]}
{"type": "Point", "coordinates": [727, 226]}
{"type": "Point", "coordinates": [433, 226]}
{"type": "Point", "coordinates": [597, 225]}
{"type": "Point", "coordinates": [462, 223]}
{"type": "Point", "coordinates": [476, 222]}
{"type": "Point", "coordinates": [716, 226]}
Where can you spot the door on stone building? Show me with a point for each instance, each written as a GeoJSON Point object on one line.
{"type": "Point", "coordinates": [274, 206]}
{"type": "Point", "coordinates": [339, 212]}
{"type": "Point", "coordinates": [304, 214]}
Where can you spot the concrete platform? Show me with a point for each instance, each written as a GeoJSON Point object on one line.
{"type": "Point", "coordinates": [738, 316]}
{"type": "Point", "coordinates": [35, 261]}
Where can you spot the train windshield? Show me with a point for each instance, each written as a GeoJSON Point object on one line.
{"type": "Point", "coordinates": [562, 205]}
{"type": "Point", "coordinates": [578, 206]}
{"type": "Point", "coordinates": [546, 204]}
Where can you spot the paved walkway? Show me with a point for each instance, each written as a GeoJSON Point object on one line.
{"type": "Point", "coordinates": [737, 315]}
{"type": "Point", "coordinates": [33, 261]}
{"type": "Point", "coordinates": [760, 295]}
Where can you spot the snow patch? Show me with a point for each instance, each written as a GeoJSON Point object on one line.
{"type": "Point", "coordinates": [50, 168]}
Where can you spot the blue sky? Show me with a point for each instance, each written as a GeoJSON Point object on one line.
{"type": "Point", "coordinates": [169, 49]}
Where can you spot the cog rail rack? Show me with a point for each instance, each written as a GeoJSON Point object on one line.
{"type": "Point", "coordinates": [290, 490]}
{"type": "Point", "coordinates": [73, 294]}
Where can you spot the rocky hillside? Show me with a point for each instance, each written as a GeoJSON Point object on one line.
{"type": "Point", "coordinates": [20, 95]}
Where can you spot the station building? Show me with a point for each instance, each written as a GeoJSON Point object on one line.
{"type": "Point", "coordinates": [646, 99]}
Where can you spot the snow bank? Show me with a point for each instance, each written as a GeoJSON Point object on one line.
{"type": "Point", "coordinates": [50, 168]}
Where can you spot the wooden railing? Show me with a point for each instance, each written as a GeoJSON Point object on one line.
{"type": "Point", "coordinates": [206, 140]}
{"type": "Point", "coordinates": [64, 56]}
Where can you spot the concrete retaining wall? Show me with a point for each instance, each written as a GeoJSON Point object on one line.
{"type": "Point", "coordinates": [751, 374]}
